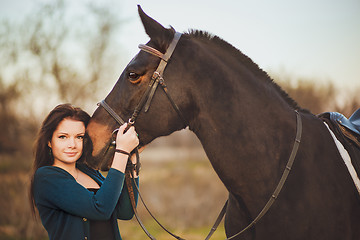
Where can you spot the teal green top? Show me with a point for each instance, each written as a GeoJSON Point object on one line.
{"type": "Point", "coordinates": [65, 206]}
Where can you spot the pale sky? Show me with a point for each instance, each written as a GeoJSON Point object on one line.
{"type": "Point", "coordinates": [317, 39]}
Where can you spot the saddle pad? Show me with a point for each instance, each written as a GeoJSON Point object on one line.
{"type": "Point", "coordinates": [347, 160]}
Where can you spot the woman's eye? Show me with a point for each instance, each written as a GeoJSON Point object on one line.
{"type": "Point", "coordinates": [62, 136]}
{"type": "Point", "coordinates": [134, 77]}
{"type": "Point", "coordinates": [80, 137]}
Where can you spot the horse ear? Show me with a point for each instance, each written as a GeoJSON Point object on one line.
{"type": "Point", "coordinates": [152, 28]}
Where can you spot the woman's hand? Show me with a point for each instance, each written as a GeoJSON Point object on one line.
{"type": "Point", "coordinates": [126, 141]}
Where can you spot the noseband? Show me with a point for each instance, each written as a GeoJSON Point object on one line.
{"type": "Point", "coordinates": [156, 79]}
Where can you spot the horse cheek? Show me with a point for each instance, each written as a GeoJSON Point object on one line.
{"type": "Point", "coordinates": [100, 135]}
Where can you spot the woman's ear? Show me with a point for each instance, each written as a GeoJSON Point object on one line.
{"type": "Point", "coordinates": [49, 144]}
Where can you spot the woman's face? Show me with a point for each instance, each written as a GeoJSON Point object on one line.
{"type": "Point", "coordinates": [67, 141]}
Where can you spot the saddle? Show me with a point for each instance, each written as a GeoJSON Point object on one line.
{"type": "Point", "coordinates": [347, 131]}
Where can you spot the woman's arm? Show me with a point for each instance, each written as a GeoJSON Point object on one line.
{"type": "Point", "coordinates": [55, 188]}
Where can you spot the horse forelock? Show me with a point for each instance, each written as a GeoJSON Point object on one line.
{"type": "Point", "coordinates": [251, 66]}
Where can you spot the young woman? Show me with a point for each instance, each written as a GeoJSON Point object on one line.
{"type": "Point", "coordinates": [73, 200]}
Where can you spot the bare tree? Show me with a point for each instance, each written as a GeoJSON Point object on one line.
{"type": "Point", "coordinates": [73, 56]}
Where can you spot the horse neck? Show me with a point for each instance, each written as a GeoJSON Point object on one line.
{"type": "Point", "coordinates": [247, 132]}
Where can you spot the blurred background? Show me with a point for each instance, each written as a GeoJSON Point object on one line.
{"type": "Point", "coordinates": [73, 51]}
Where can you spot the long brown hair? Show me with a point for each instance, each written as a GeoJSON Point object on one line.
{"type": "Point", "coordinates": [43, 156]}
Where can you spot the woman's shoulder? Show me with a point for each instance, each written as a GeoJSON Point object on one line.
{"type": "Point", "coordinates": [50, 172]}
{"type": "Point", "coordinates": [50, 177]}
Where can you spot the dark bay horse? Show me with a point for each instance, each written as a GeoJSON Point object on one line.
{"type": "Point", "coordinates": [247, 126]}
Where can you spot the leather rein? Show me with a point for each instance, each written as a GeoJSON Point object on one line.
{"type": "Point", "coordinates": [156, 79]}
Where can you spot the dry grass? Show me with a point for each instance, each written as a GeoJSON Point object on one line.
{"type": "Point", "coordinates": [16, 220]}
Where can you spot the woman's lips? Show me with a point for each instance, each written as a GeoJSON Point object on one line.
{"type": "Point", "coordinates": [71, 154]}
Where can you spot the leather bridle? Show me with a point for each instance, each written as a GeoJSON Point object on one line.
{"type": "Point", "coordinates": [157, 78]}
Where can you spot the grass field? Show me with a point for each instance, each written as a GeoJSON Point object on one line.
{"type": "Point", "coordinates": [130, 230]}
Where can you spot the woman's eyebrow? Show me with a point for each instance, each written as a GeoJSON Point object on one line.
{"type": "Point", "coordinates": [65, 133]}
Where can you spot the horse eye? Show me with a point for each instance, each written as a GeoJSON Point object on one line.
{"type": "Point", "coordinates": [133, 76]}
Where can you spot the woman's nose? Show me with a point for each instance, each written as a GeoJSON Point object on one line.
{"type": "Point", "coordinates": [71, 143]}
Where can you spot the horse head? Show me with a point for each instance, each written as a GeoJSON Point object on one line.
{"type": "Point", "coordinates": [160, 119]}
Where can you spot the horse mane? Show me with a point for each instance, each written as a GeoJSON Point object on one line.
{"type": "Point", "coordinates": [253, 67]}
